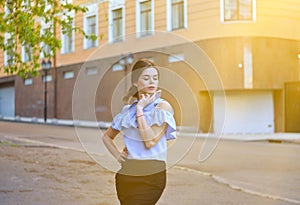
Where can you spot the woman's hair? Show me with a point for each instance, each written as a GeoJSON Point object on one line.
{"type": "Point", "coordinates": [137, 69]}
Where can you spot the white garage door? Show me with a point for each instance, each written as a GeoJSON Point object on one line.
{"type": "Point", "coordinates": [7, 102]}
{"type": "Point", "coordinates": [245, 112]}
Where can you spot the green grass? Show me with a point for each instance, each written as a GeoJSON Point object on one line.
{"type": "Point", "coordinates": [8, 143]}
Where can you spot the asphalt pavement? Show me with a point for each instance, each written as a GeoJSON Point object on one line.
{"type": "Point", "coordinates": [265, 166]}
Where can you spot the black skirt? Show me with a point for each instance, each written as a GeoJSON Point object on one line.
{"type": "Point", "coordinates": [141, 182]}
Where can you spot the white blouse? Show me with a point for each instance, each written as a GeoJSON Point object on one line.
{"type": "Point", "coordinates": [126, 122]}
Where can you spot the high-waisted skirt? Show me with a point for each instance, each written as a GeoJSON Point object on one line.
{"type": "Point", "coordinates": [141, 182]}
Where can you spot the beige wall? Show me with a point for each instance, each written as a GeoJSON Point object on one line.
{"type": "Point", "coordinates": [279, 110]}
{"type": "Point", "coordinates": [275, 61]}
{"type": "Point", "coordinates": [278, 19]}
{"type": "Point", "coordinates": [274, 19]}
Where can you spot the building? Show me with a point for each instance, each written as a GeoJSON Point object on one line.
{"type": "Point", "coordinates": [254, 46]}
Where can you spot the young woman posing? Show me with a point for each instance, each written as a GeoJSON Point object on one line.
{"type": "Point", "coordinates": [146, 124]}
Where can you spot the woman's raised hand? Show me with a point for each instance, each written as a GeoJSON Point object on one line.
{"type": "Point", "coordinates": [146, 99]}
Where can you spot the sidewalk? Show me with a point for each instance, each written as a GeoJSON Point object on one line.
{"type": "Point", "coordinates": [271, 137]}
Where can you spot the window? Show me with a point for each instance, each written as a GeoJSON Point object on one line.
{"type": "Point", "coordinates": [28, 81]}
{"type": "Point", "coordinates": [151, 59]}
{"type": "Point", "coordinates": [64, 2]}
{"type": "Point", "coordinates": [146, 26]}
{"type": "Point", "coordinates": [27, 4]}
{"type": "Point", "coordinates": [68, 74]}
{"type": "Point", "coordinates": [117, 67]}
{"type": "Point", "coordinates": [9, 7]}
{"type": "Point", "coordinates": [91, 29]}
{"type": "Point", "coordinates": [116, 20]}
{"type": "Point", "coordinates": [91, 71]}
{"type": "Point", "coordinates": [9, 53]}
{"type": "Point", "coordinates": [45, 48]}
{"type": "Point", "coordinates": [91, 26]}
{"type": "Point", "coordinates": [238, 10]}
{"type": "Point", "coordinates": [47, 5]}
{"type": "Point", "coordinates": [176, 57]}
{"type": "Point", "coordinates": [26, 53]}
{"type": "Point", "coordinates": [47, 78]}
{"type": "Point", "coordinates": [67, 41]}
{"type": "Point", "coordinates": [145, 18]}
{"type": "Point", "coordinates": [176, 14]}
{"type": "Point", "coordinates": [117, 28]}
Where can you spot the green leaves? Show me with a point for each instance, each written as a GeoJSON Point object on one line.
{"type": "Point", "coordinates": [22, 26]}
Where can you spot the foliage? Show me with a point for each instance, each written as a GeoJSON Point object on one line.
{"type": "Point", "coordinates": [21, 30]}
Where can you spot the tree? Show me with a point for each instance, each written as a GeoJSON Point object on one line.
{"type": "Point", "coordinates": [21, 30]}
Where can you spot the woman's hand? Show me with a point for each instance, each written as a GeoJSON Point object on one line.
{"type": "Point", "coordinates": [122, 156]}
{"type": "Point", "coordinates": [146, 99]}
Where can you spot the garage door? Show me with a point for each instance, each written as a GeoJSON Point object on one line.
{"type": "Point", "coordinates": [7, 101]}
{"type": "Point", "coordinates": [246, 112]}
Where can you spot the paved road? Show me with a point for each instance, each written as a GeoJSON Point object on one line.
{"type": "Point", "coordinates": [266, 171]}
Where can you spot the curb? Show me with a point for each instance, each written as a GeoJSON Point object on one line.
{"type": "Point", "coordinates": [58, 122]}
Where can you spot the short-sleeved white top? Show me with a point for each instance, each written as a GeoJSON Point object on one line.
{"type": "Point", "coordinates": [126, 122]}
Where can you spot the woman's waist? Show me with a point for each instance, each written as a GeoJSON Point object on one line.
{"type": "Point", "coordinates": [138, 167]}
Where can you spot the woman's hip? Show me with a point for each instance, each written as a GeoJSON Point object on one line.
{"type": "Point", "coordinates": [133, 167]}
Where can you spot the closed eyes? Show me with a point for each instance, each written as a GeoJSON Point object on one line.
{"type": "Point", "coordinates": [147, 77]}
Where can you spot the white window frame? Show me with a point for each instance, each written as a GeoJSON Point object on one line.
{"type": "Point", "coordinates": [24, 54]}
{"type": "Point", "coordinates": [63, 51]}
{"type": "Point", "coordinates": [92, 11]}
{"type": "Point", "coordinates": [114, 5]}
{"type": "Point", "coordinates": [44, 27]}
{"type": "Point", "coordinates": [138, 18]}
{"type": "Point", "coordinates": [169, 15]}
{"type": "Point", "coordinates": [6, 57]}
{"type": "Point", "coordinates": [222, 15]}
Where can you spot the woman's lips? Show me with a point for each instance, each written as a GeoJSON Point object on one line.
{"type": "Point", "coordinates": [151, 87]}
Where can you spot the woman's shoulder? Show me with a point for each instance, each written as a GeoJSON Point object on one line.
{"type": "Point", "coordinates": [164, 105]}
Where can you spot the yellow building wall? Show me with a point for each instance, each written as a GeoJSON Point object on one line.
{"type": "Point", "coordinates": [277, 19]}
{"type": "Point", "coordinates": [276, 66]}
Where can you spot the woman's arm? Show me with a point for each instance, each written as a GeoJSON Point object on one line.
{"type": "Point", "coordinates": [151, 134]}
{"type": "Point", "coordinates": [108, 140]}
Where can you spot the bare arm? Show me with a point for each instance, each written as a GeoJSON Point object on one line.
{"type": "Point", "coordinates": [108, 140]}
{"type": "Point", "coordinates": [151, 134]}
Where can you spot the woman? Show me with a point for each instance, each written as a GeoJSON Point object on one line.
{"type": "Point", "coordinates": [146, 124]}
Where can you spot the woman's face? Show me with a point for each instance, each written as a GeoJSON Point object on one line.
{"type": "Point", "coordinates": [147, 81]}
